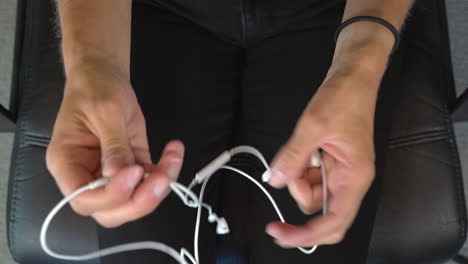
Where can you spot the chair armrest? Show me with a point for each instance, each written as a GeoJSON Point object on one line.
{"type": "Point", "coordinates": [7, 123]}
{"type": "Point", "coordinates": [460, 110]}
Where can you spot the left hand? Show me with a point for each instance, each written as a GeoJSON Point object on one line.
{"type": "Point", "coordinates": [340, 120]}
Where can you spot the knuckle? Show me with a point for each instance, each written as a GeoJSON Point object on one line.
{"type": "Point", "coordinates": [143, 207]}
{"type": "Point", "coordinates": [336, 237]}
{"type": "Point", "coordinates": [52, 158]}
{"type": "Point", "coordinates": [80, 208]}
{"type": "Point", "coordinates": [114, 145]}
{"type": "Point", "coordinates": [307, 209]}
{"type": "Point", "coordinates": [107, 223]}
{"type": "Point", "coordinates": [106, 220]}
{"type": "Point", "coordinates": [367, 173]}
{"type": "Point", "coordinates": [292, 151]}
{"type": "Point", "coordinates": [315, 121]}
{"type": "Point", "coordinates": [369, 169]}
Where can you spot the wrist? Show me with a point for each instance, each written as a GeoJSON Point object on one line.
{"type": "Point", "coordinates": [97, 81]}
{"type": "Point", "coordinates": [94, 67]}
{"type": "Point", "coordinates": [79, 55]}
{"type": "Point", "coordinates": [363, 48]}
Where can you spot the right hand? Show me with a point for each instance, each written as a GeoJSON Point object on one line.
{"type": "Point", "coordinates": [100, 132]}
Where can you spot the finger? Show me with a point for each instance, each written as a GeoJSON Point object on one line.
{"type": "Point", "coordinates": [171, 159]}
{"type": "Point", "coordinates": [308, 197]}
{"type": "Point", "coordinates": [313, 175]}
{"type": "Point", "coordinates": [151, 192]}
{"type": "Point", "coordinates": [292, 159]}
{"type": "Point", "coordinates": [139, 140]}
{"type": "Point", "coordinates": [117, 191]}
{"type": "Point", "coordinates": [116, 151]}
{"type": "Point", "coordinates": [308, 191]}
{"type": "Point", "coordinates": [72, 173]}
{"type": "Point", "coordinates": [289, 236]}
{"type": "Point", "coordinates": [304, 193]}
{"type": "Point", "coordinates": [328, 229]}
{"type": "Point", "coordinates": [145, 200]}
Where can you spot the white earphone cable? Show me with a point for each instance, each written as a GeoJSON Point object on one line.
{"type": "Point", "coordinates": [189, 199]}
{"type": "Point", "coordinates": [103, 252]}
{"type": "Point", "coordinates": [272, 201]}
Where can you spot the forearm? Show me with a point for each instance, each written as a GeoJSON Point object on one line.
{"type": "Point", "coordinates": [361, 55]}
{"type": "Point", "coordinates": [95, 32]}
{"type": "Point", "coordinates": [365, 46]}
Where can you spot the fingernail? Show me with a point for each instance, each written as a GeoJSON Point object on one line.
{"type": "Point", "coordinates": [134, 176]}
{"type": "Point", "coordinates": [276, 178]}
{"type": "Point", "coordinates": [271, 231]}
{"type": "Point", "coordinates": [176, 160]}
{"type": "Point", "coordinates": [304, 210]}
{"type": "Point", "coordinates": [160, 188]}
{"type": "Point", "coordinates": [277, 174]}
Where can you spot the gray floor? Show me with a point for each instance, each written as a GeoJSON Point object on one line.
{"type": "Point", "coordinates": [458, 24]}
{"type": "Point", "coordinates": [458, 29]}
{"type": "Point", "coordinates": [7, 26]}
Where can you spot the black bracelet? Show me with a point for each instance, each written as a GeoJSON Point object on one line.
{"type": "Point", "coordinates": [373, 19]}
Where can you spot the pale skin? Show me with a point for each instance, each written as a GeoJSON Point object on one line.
{"type": "Point", "coordinates": [100, 129]}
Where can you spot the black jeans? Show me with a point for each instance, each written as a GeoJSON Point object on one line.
{"type": "Point", "coordinates": [214, 93]}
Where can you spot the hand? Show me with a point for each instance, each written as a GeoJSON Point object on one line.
{"type": "Point", "coordinates": [100, 132]}
{"type": "Point", "coordinates": [339, 119]}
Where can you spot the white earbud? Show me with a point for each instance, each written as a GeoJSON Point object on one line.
{"type": "Point", "coordinates": [222, 228]}
{"type": "Point", "coordinates": [315, 159]}
{"type": "Point", "coordinates": [266, 176]}
{"type": "Point", "coordinates": [212, 218]}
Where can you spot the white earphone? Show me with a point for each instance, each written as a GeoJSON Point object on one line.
{"type": "Point", "coordinates": [190, 200]}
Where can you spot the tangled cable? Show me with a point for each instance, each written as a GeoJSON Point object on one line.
{"type": "Point", "coordinates": [190, 199]}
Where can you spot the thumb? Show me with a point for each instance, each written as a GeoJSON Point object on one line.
{"type": "Point", "coordinates": [292, 159]}
{"type": "Point", "coordinates": [116, 151]}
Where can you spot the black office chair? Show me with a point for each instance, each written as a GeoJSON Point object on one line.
{"type": "Point", "coordinates": [422, 214]}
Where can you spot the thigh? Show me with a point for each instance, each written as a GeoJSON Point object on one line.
{"type": "Point", "coordinates": [282, 74]}
{"type": "Point", "coordinates": [187, 83]}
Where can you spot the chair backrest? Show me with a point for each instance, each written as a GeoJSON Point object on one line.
{"type": "Point", "coordinates": [39, 80]}
{"type": "Point", "coordinates": [422, 213]}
